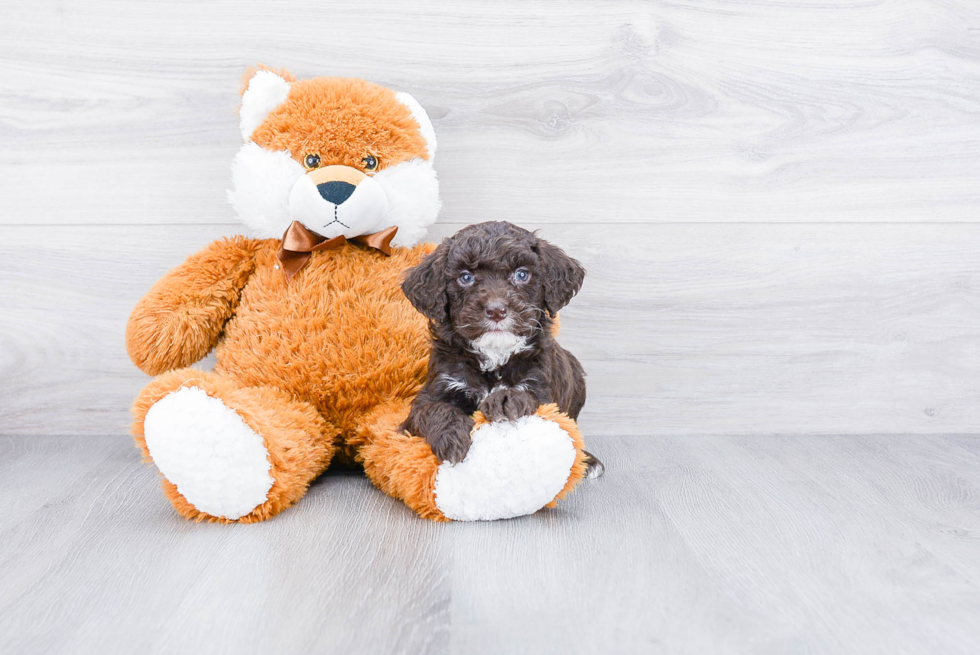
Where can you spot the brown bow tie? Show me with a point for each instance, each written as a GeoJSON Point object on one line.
{"type": "Point", "coordinates": [299, 243]}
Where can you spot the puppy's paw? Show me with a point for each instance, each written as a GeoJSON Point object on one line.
{"type": "Point", "coordinates": [452, 441]}
{"type": "Point", "coordinates": [508, 405]}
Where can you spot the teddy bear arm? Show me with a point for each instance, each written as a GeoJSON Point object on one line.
{"type": "Point", "coordinates": [180, 319]}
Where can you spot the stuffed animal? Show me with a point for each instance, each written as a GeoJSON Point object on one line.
{"type": "Point", "coordinates": [318, 353]}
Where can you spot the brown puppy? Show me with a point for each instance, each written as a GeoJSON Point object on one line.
{"type": "Point", "coordinates": [490, 293]}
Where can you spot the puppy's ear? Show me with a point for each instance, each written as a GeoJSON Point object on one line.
{"type": "Point", "coordinates": [425, 285]}
{"type": "Point", "coordinates": [562, 275]}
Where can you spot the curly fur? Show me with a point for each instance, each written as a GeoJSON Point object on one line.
{"type": "Point", "coordinates": [508, 366]}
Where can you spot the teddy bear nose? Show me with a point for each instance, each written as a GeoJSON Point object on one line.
{"type": "Point", "coordinates": [497, 311]}
{"type": "Point", "coordinates": [335, 192]}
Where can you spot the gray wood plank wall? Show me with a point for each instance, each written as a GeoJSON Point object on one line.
{"type": "Point", "coordinates": [777, 202]}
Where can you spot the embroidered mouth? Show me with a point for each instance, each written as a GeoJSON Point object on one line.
{"type": "Point", "coordinates": [336, 219]}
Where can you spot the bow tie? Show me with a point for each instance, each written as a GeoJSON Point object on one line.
{"type": "Point", "coordinates": [299, 243]}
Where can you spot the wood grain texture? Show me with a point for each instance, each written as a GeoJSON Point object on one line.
{"type": "Point", "coordinates": [838, 544]}
{"type": "Point", "coordinates": [712, 329]}
{"type": "Point", "coordinates": [707, 161]}
{"type": "Point", "coordinates": [608, 112]}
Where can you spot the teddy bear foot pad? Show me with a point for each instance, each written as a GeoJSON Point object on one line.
{"type": "Point", "coordinates": [512, 469]}
{"type": "Point", "coordinates": [217, 462]}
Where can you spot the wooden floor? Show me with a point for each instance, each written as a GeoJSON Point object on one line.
{"type": "Point", "coordinates": [833, 544]}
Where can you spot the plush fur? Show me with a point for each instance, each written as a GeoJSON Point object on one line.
{"type": "Point", "coordinates": [319, 368]}
{"type": "Point", "coordinates": [207, 450]}
{"type": "Point", "coordinates": [470, 494]}
{"type": "Point", "coordinates": [342, 122]}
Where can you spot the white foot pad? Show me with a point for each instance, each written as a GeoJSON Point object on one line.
{"type": "Point", "coordinates": [512, 469]}
{"type": "Point", "coordinates": [219, 464]}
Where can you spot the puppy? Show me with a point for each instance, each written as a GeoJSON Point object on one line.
{"type": "Point", "coordinates": [490, 293]}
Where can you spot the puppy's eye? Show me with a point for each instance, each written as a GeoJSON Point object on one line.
{"type": "Point", "coordinates": [522, 275]}
{"type": "Point", "coordinates": [466, 279]}
{"type": "Point", "coordinates": [311, 161]}
{"type": "Point", "coordinates": [371, 163]}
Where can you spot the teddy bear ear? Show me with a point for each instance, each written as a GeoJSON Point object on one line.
{"type": "Point", "coordinates": [422, 118]}
{"type": "Point", "coordinates": [264, 91]}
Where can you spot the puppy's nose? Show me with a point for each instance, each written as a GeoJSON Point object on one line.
{"type": "Point", "coordinates": [335, 192]}
{"type": "Point", "coordinates": [496, 311]}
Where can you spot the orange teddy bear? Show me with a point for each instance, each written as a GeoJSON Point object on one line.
{"type": "Point", "coordinates": [318, 352]}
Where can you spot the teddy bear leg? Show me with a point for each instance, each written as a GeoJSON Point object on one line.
{"type": "Point", "coordinates": [397, 463]}
{"type": "Point", "coordinates": [230, 453]}
{"type": "Point", "coordinates": [512, 469]}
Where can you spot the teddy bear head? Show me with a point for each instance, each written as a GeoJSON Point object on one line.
{"type": "Point", "coordinates": [341, 156]}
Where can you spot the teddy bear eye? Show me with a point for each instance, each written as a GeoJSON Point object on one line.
{"type": "Point", "coordinates": [466, 278]}
{"type": "Point", "coordinates": [311, 161]}
{"type": "Point", "coordinates": [370, 163]}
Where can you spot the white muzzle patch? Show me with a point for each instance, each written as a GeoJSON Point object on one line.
{"type": "Point", "coordinates": [270, 190]}
{"type": "Point", "coordinates": [361, 212]}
